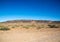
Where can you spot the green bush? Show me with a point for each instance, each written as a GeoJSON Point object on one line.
{"type": "Point", "coordinates": [53, 26]}
{"type": "Point", "coordinates": [4, 28]}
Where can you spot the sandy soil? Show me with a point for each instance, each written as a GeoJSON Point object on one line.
{"type": "Point", "coordinates": [26, 35]}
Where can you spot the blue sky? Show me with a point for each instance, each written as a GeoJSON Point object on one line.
{"type": "Point", "coordinates": [30, 10]}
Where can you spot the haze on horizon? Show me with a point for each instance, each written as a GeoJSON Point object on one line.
{"type": "Point", "coordinates": [29, 10]}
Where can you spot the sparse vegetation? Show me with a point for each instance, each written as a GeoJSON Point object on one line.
{"type": "Point", "coordinates": [33, 25]}
{"type": "Point", "coordinates": [21, 25]}
{"type": "Point", "coordinates": [38, 27]}
{"type": "Point", "coordinates": [4, 28]}
{"type": "Point", "coordinates": [16, 25]}
{"type": "Point", "coordinates": [27, 27]}
{"type": "Point", "coordinates": [53, 26]}
{"type": "Point", "coordinates": [13, 26]}
{"type": "Point", "coordinates": [30, 24]}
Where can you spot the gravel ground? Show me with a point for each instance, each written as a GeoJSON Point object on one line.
{"type": "Point", "coordinates": [42, 35]}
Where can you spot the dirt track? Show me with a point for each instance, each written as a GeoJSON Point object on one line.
{"type": "Point", "coordinates": [43, 35]}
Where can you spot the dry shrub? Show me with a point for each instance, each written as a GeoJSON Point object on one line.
{"type": "Point", "coordinates": [4, 28]}
{"type": "Point", "coordinates": [27, 27]}
{"type": "Point", "coordinates": [53, 26]}
{"type": "Point", "coordinates": [38, 27]}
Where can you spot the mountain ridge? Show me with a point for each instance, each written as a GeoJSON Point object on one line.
{"type": "Point", "coordinates": [37, 21]}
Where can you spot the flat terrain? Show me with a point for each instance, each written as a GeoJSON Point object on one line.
{"type": "Point", "coordinates": [31, 35]}
{"type": "Point", "coordinates": [30, 31]}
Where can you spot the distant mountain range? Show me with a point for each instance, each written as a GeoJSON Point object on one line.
{"type": "Point", "coordinates": [37, 21]}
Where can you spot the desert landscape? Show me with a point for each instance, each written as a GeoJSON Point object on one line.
{"type": "Point", "coordinates": [30, 31]}
{"type": "Point", "coordinates": [29, 20]}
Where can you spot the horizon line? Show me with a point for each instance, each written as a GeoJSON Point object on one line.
{"type": "Point", "coordinates": [27, 20]}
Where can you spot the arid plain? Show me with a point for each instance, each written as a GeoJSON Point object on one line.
{"type": "Point", "coordinates": [30, 31]}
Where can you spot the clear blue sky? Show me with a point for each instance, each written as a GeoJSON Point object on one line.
{"type": "Point", "coordinates": [29, 9]}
